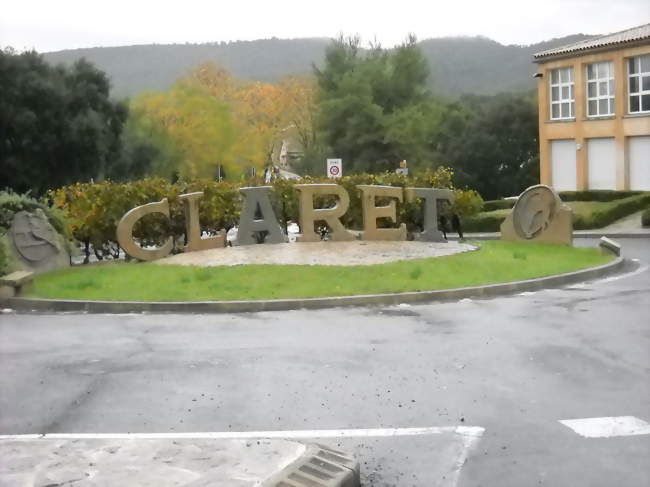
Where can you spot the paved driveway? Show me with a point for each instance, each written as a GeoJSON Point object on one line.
{"type": "Point", "coordinates": [361, 378]}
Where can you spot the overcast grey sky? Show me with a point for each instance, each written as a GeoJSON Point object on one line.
{"type": "Point", "coordinates": [62, 24]}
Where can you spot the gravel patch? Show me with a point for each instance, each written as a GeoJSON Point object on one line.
{"type": "Point", "coordinates": [319, 253]}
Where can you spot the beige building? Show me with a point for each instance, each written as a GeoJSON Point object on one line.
{"type": "Point", "coordinates": [287, 148]}
{"type": "Point", "coordinates": [594, 113]}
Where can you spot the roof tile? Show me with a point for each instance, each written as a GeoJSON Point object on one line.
{"type": "Point", "coordinates": [630, 35]}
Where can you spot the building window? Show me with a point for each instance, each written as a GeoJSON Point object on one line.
{"type": "Point", "coordinates": [638, 70]}
{"type": "Point", "coordinates": [600, 89]}
{"type": "Point", "coordinates": [562, 100]}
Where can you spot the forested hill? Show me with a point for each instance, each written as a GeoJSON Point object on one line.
{"type": "Point", "coordinates": [458, 64]}
{"type": "Point", "coordinates": [134, 69]}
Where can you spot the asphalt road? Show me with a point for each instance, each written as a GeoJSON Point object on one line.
{"type": "Point", "coordinates": [512, 365]}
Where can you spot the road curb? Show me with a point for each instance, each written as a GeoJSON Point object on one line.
{"type": "Point", "coordinates": [578, 234]}
{"type": "Point", "coordinates": [60, 305]}
{"type": "Point", "coordinates": [319, 466]}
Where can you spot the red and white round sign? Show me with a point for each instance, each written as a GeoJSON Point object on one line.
{"type": "Point", "coordinates": [334, 168]}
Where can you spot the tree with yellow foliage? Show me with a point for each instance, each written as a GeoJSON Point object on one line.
{"type": "Point", "coordinates": [213, 119]}
{"type": "Point", "coordinates": [201, 127]}
{"type": "Point", "coordinates": [262, 111]}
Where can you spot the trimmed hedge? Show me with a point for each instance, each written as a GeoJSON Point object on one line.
{"type": "Point", "coordinates": [493, 205]}
{"type": "Point", "coordinates": [593, 195]}
{"type": "Point", "coordinates": [485, 222]}
{"type": "Point", "coordinates": [610, 211]}
{"type": "Point", "coordinates": [603, 214]}
{"type": "Point", "coordinates": [94, 210]}
{"type": "Point", "coordinates": [597, 195]}
{"type": "Point", "coordinates": [645, 218]}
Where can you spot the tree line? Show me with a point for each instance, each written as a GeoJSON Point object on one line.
{"type": "Point", "coordinates": [370, 107]}
{"type": "Point", "coordinates": [374, 108]}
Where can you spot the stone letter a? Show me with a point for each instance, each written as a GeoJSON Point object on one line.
{"type": "Point", "coordinates": [255, 197]}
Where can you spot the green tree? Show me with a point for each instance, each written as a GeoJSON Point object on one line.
{"type": "Point", "coordinates": [492, 143]}
{"type": "Point", "coordinates": [57, 124]}
{"type": "Point", "coordinates": [374, 108]}
{"type": "Point", "coordinates": [193, 132]}
{"type": "Point", "coordinates": [147, 149]}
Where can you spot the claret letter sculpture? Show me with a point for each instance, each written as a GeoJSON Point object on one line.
{"type": "Point", "coordinates": [371, 212]}
{"type": "Point", "coordinates": [193, 228]}
{"type": "Point", "coordinates": [125, 232]}
{"type": "Point", "coordinates": [331, 216]}
{"type": "Point", "coordinates": [258, 199]}
{"type": "Point", "coordinates": [431, 196]}
{"type": "Point", "coordinates": [256, 202]}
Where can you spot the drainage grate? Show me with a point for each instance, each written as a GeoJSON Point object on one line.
{"type": "Point", "coordinates": [319, 466]}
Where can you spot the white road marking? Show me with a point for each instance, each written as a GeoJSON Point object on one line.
{"type": "Point", "coordinates": [469, 438]}
{"type": "Point", "coordinates": [577, 286]}
{"type": "Point", "coordinates": [640, 270]}
{"type": "Point", "coordinates": [608, 427]}
{"type": "Point", "coordinates": [472, 432]}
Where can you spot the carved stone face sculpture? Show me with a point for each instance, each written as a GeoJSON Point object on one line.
{"type": "Point", "coordinates": [534, 211]}
{"type": "Point", "coordinates": [33, 237]}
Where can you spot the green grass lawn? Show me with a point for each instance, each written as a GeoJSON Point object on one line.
{"type": "Point", "coordinates": [494, 262]}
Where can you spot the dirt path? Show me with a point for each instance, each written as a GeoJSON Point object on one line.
{"type": "Point", "coordinates": [319, 253]}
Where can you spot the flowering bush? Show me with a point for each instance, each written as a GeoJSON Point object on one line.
{"type": "Point", "coordinates": [93, 211]}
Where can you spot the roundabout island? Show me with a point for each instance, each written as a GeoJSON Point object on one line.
{"type": "Point", "coordinates": [494, 268]}
{"type": "Point", "coordinates": [382, 267]}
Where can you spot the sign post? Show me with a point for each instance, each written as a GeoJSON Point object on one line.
{"type": "Point", "coordinates": [403, 168]}
{"type": "Point", "coordinates": [334, 168]}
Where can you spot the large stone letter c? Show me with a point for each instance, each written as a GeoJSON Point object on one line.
{"type": "Point", "coordinates": [125, 231]}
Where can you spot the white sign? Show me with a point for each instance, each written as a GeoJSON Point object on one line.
{"type": "Point", "coordinates": [404, 171]}
{"type": "Point", "coordinates": [334, 168]}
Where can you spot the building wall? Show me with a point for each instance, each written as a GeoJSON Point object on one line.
{"type": "Point", "coordinates": [620, 126]}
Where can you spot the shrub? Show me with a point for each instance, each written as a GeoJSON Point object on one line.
{"type": "Point", "coordinates": [488, 221]}
{"type": "Point", "coordinates": [610, 211]}
{"type": "Point", "coordinates": [11, 203]}
{"type": "Point", "coordinates": [468, 202]}
{"type": "Point", "coordinates": [493, 205]}
{"type": "Point", "coordinates": [598, 215]}
{"type": "Point", "coordinates": [645, 217]}
{"type": "Point", "coordinates": [596, 195]}
{"type": "Point", "coordinates": [94, 210]}
{"type": "Point", "coordinates": [566, 196]}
